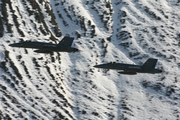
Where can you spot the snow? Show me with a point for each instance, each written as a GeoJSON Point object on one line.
{"type": "Point", "coordinates": [66, 85]}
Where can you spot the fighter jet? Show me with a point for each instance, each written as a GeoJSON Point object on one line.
{"type": "Point", "coordinates": [147, 67]}
{"type": "Point", "coordinates": [42, 47]}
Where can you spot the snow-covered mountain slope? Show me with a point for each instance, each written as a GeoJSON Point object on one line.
{"type": "Point", "coordinates": [66, 85]}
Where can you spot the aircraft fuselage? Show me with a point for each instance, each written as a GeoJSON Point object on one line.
{"type": "Point", "coordinates": [128, 68]}
{"type": "Point", "coordinates": [44, 46]}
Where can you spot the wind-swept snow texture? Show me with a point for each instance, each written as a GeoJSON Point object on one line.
{"type": "Point", "coordinates": [66, 86]}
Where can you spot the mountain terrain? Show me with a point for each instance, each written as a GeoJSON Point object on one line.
{"type": "Point", "coordinates": [66, 86]}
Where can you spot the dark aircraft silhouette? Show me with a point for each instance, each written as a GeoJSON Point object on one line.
{"type": "Point", "coordinates": [147, 67]}
{"type": "Point", "coordinates": [42, 47]}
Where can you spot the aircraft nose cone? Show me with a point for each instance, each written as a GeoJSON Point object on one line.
{"type": "Point", "coordinates": [16, 45]}
{"type": "Point", "coordinates": [12, 45]}
{"type": "Point", "coordinates": [98, 66]}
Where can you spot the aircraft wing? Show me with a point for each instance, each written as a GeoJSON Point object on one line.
{"type": "Point", "coordinates": [134, 67]}
{"type": "Point", "coordinates": [127, 72]}
{"type": "Point", "coordinates": [42, 51]}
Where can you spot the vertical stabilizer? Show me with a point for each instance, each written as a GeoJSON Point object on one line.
{"type": "Point", "coordinates": [149, 64]}
{"type": "Point", "coordinates": [66, 42]}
